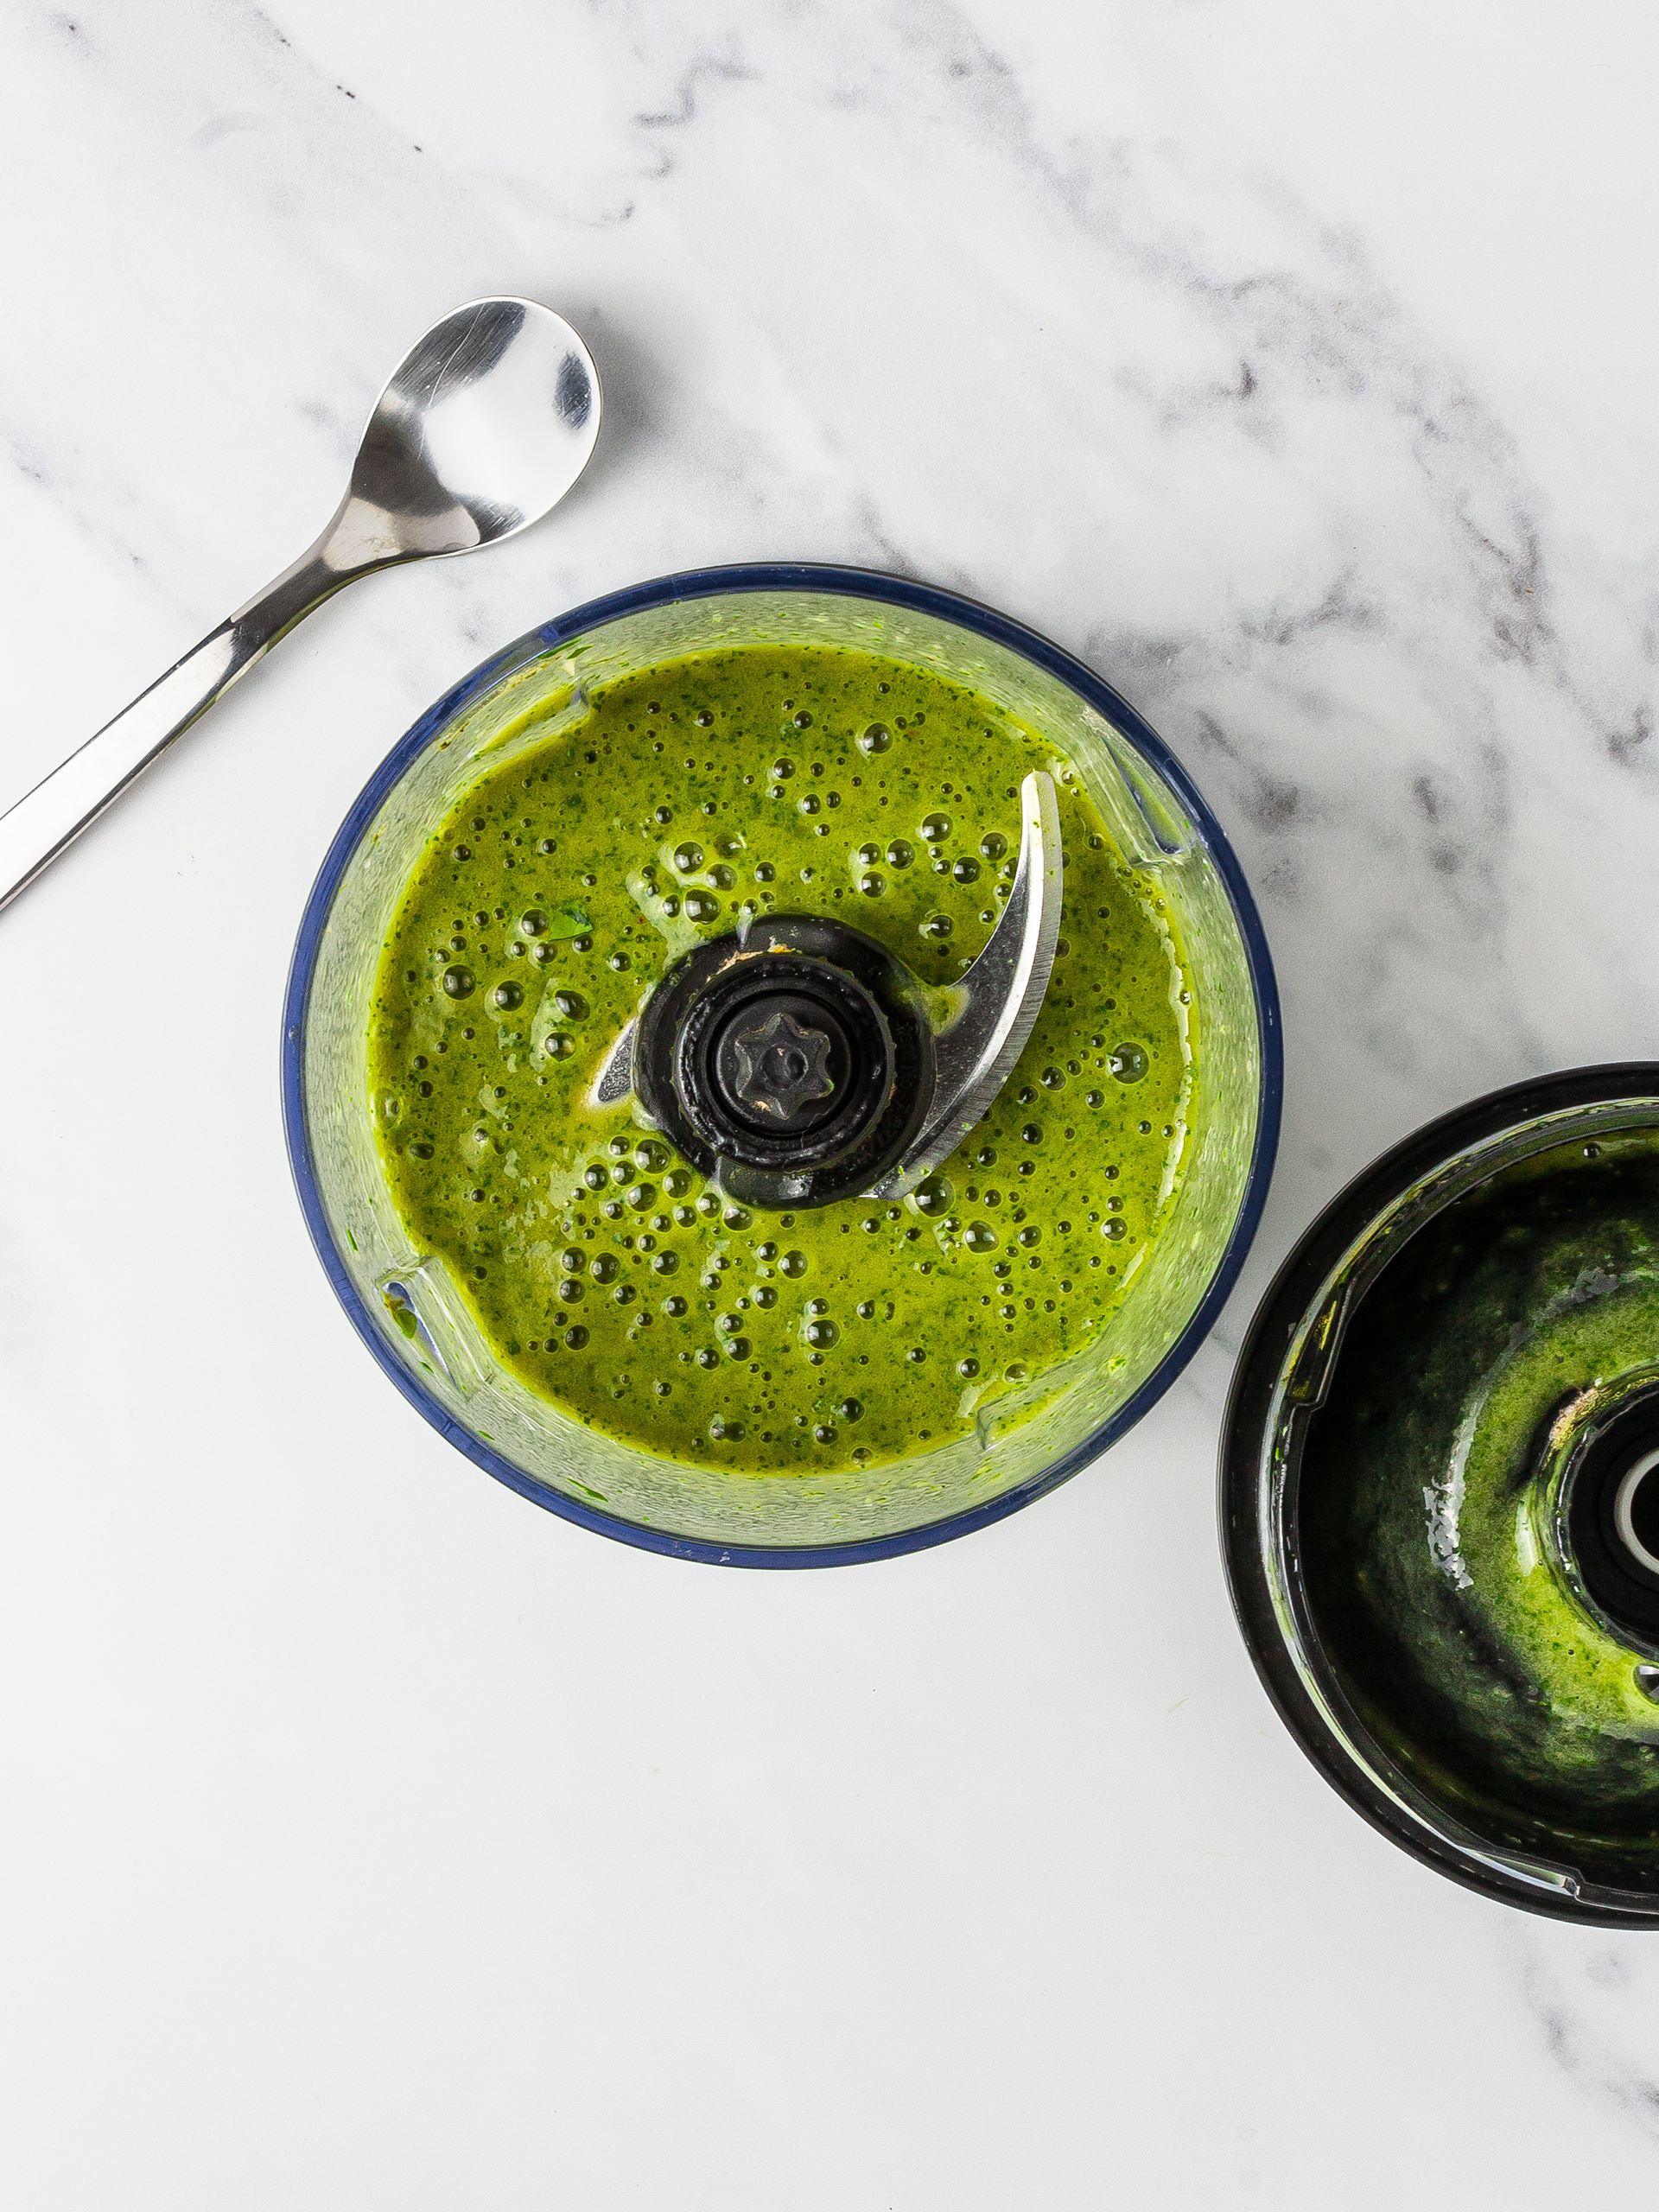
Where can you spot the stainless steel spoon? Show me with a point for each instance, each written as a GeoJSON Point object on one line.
{"type": "Point", "coordinates": [484, 426]}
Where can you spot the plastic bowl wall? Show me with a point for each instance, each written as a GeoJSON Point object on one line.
{"type": "Point", "coordinates": [444, 1366]}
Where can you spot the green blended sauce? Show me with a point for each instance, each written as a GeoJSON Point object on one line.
{"type": "Point", "coordinates": [1425, 1515]}
{"type": "Point", "coordinates": [603, 1271]}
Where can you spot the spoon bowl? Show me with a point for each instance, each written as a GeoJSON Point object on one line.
{"type": "Point", "coordinates": [481, 430]}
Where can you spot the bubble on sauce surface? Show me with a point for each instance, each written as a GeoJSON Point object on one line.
{"type": "Point", "coordinates": [460, 983]}
{"type": "Point", "coordinates": [1128, 1062]}
{"type": "Point", "coordinates": [933, 1195]}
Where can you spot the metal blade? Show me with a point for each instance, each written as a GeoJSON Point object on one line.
{"type": "Point", "coordinates": [1001, 996]}
{"type": "Point", "coordinates": [616, 1078]}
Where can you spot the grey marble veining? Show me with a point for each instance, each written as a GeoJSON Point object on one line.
{"type": "Point", "coordinates": [1594, 2005]}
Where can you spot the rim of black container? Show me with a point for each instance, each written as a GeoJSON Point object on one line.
{"type": "Point", "coordinates": [851, 583]}
{"type": "Point", "coordinates": [1249, 1404]}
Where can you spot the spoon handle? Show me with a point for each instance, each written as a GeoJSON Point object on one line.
{"type": "Point", "coordinates": [48, 819]}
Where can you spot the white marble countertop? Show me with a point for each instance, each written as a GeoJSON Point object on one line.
{"type": "Point", "coordinates": [372, 1839]}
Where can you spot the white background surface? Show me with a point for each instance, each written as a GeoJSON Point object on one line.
{"type": "Point", "coordinates": [370, 1839]}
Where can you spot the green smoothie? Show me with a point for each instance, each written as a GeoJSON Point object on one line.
{"type": "Point", "coordinates": [603, 1271]}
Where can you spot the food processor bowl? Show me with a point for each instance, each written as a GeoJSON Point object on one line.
{"type": "Point", "coordinates": [1439, 1525]}
{"type": "Point", "coordinates": [407, 1307]}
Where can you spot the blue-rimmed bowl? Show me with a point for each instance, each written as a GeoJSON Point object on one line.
{"type": "Point", "coordinates": [409, 1314]}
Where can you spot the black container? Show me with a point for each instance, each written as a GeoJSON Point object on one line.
{"type": "Point", "coordinates": [1307, 1647]}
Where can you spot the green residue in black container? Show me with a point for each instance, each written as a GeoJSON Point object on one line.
{"type": "Point", "coordinates": [1424, 1536]}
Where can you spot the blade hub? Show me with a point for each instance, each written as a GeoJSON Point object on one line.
{"type": "Point", "coordinates": [789, 1064]}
